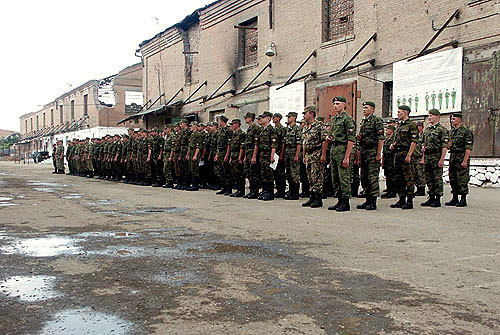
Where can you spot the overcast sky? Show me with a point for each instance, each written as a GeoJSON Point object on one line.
{"type": "Point", "coordinates": [49, 45]}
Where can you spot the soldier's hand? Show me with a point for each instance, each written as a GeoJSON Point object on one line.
{"type": "Point", "coordinates": [244, 160]}
{"type": "Point", "coordinates": [322, 159]}
{"type": "Point", "coordinates": [215, 158]}
{"type": "Point", "coordinates": [186, 157]}
{"type": "Point", "coordinates": [304, 160]}
{"type": "Point", "coordinates": [378, 158]}
{"type": "Point", "coordinates": [408, 159]}
{"type": "Point", "coordinates": [421, 162]}
{"type": "Point", "coordinates": [195, 157]}
{"type": "Point", "coordinates": [464, 164]}
{"type": "Point", "coordinates": [239, 161]}
{"type": "Point", "coordinates": [296, 159]}
{"type": "Point", "coordinates": [392, 146]}
{"type": "Point", "coordinates": [148, 160]}
{"type": "Point", "coordinates": [179, 158]}
{"type": "Point", "coordinates": [345, 163]}
{"type": "Point", "coordinates": [226, 159]}
{"type": "Point", "coordinates": [253, 161]}
{"type": "Point", "coordinates": [441, 163]}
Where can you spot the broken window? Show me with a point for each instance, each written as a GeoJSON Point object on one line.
{"type": "Point", "coordinates": [26, 125]}
{"type": "Point", "coordinates": [338, 19]}
{"type": "Point", "coordinates": [387, 99]}
{"type": "Point", "coordinates": [43, 120]}
{"type": "Point", "coordinates": [85, 104]}
{"type": "Point", "coordinates": [248, 42]}
{"type": "Point", "coordinates": [37, 124]}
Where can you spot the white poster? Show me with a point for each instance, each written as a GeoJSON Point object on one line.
{"type": "Point", "coordinates": [432, 81]}
{"type": "Point", "coordinates": [288, 99]}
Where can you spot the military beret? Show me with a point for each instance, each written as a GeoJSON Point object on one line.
{"type": "Point", "coordinates": [458, 114]}
{"type": "Point", "coordinates": [233, 121]}
{"type": "Point", "coordinates": [341, 99]}
{"type": "Point", "coordinates": [259, 117]}
{"type": "Point", "coordinates": [321, 118]}
{"type": "Point", "coordinates": [250, 115]}
{"type": "Point", "coordinates": [310, 108]}
{"type": "Point", "coordinates": [369, 103]}
{"type": "Point", "coordinates": [223, 118]}
{"type": "Point", "coordinates": [201, 124]}
{"type": "Point", "coordinates": [184, 121]}
{"type": "Point", "coordinates": [267, 114]}
{"type": "Point", "coordinates": [291, 114]}
{"type": "Point", "coordinates": [278, 115]}
{"type": "Point", "coordinates": [390, 126]}
{"type": "Point", "coordinates": [405, 108]}
{"type": "Point", "coordinates": [434, 112]}
{"type": "Point", "coordinates": [420, 123]}
{"type": "Point", "coordinates": [194, 123]}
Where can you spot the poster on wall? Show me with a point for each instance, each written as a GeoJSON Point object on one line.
{"type": "Point", "coordinates": [288, 99]}
{"type": "Point", "coordinates": [432, 81]}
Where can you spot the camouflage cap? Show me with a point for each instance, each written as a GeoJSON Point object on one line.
{"type": "Point", "coordinates": [405, 108]}
{"type": "Point", "coordinates": [223, 118]}
{"type": "Point", "coordinates": [278, 115]}
{"type": "Point", "coordinates": [250, 115]}
{"type": "Point", "coordinates": [341, 99]}
{"type": "Point", "coordinates": [233, 121]}
{"type": "Point", "coordinates": [266, 114]}
{"type": "Point", "coordinates": [369, 103]}
{"type": "Point", "coordinates": [434, 111]}
{"type": "Point", "coordinates": [184, 121]}
{"type": "Point", "coordinates": [291, 114]}
{"type": "Point", "coordinates": [310, 108]}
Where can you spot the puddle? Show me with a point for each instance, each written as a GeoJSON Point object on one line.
{"type": "Point", "coordinates": [109, 234]}
{"type": "Point", "coordinates": [7, 204]}
{"type": "Point", "coordinates": [46, 184]}
{"type": "Point", "coordinates": [43, 247]}
{"type": "Point", "coordinates": [5, 199]}
{"type": "Point", "coordinates": [86, 321]}
{"type": "Point", "coordinates": [138, 252]}
{"type": "Point", "coordinates": [178, 278]}
{"type": "Point", "coordinates": [36, 288]}
{"type": "Point", "coordinates": [72, 196]}
{"type": "Point", "coordinates": [44, 189]}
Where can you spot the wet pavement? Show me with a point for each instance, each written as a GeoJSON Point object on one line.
{"type": "Point", "coordinates": [79, 260]}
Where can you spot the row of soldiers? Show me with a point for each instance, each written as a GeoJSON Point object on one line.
{"type": "Point", "coordinates": [324, 157]}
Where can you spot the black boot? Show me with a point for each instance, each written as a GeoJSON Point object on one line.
{"type": "Point", "coordinates": [453, 201]}
{"type": "Point", "coordinates": [364, 204]}
{"type": "Point", "coordinates": [194, 186]}
{"type": "Point", "coordinates": [408, 204]}
{"type": "Point", "coordinates": [429, 201]}
{"type": "Point", "coordinates": [334, 207]}
{"type": "Point", "coordinates": [388, 195]}
{"type": "Point", "coordinates": [344, 206]}
{"type": "Point", "coordinates": [372, 205]}
{"type": "Point", "coordinates": [317, 202]}
{"type": "Point", "coordinates": [463, 201]}
{"type": "Point", "coordinates": [222, 191]}
{"type": "Point", "coordinates": [269, 195]}
{"type": "Point", "coordinates": [229, 190]}
{"type": "Point", "coordinates": [420, 191]}
{"type": "Point", "coordinates": [312, 198]}
{"type": "Point", "coordinates": [437, 202]}
{"type": "Point", "coordinates": [400, 203]}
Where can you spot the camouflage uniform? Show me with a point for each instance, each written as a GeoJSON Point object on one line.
{"type": "Point", "coordinates": [342, 130]}
{"type": "Point", "coordinates": [313, 138]}
{"type": "Point", "coordinates": [252, 171]}
{"type": "Point", "coordinates": [435, 138]}
{"type": "Point", "coordinates": [222, 168]}
{"type": "Point", "coordinates": [419, 169]}
{"type": "Point", "coordinates": [279, 173]}
{"type": "Point", "coordinates": [462, 139]}
{"type": "Point", "coordinates": [156, 145]}
{"type": "Point", "coordinates": [185, 176]}
{"type": "Point", "coordinates": [213, 177]}
{"type": "Point", "coordinates": [267, 141]}
{"type": "Point", "coordinates": [176, 139]}
{"type": "Point", "coordinates": [293, 139]}
{"type": "Point", "coordinates": [370, 133]}
{"type": "Point", "coordinates": [60, 158]}
{"type": "Point", "coordinates": [404, 136]}
{"type": "Point", "coordinates": [195, 142]}
{"type": "Point", "coordinates": [237, 143]}
{"type": "Point", "coordinates": [168, 164]}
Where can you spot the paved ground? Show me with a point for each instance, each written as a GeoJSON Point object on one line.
{"type": "Point", "coordinates": [83, 256]}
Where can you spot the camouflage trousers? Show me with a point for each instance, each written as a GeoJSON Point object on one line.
{"type": "Point", "coordinates": [223, 170]}
{"type": "Point", "coordinates": [238, 170]}
{"type": "Point", "coordinates": [341, 176]}
{"type": "Point", "coordinates": [459, 176]}
{"type": "Point", "coordinates": [433, 174]}
{"type": "Point", "coordinates": [252, 171]}
{"type": "Point", "coordinates": [194, 165]}
{"type": "Point", "coordinates": [389, 173]}
{"type": "Point", "coordinates": [403, 175]}
{"type": "Point", "coordinates": [167, 170]}
{"type": "Point", "coordinates": [370, 170]}
{"type": "Point", "coordinates": [315, 171]}
{"type": "Point", "coordinates": [292, 168]}
{"type": "Point", "coordinates": [177, 165]}
{"type": "Point", "coordinates": [130, 165]}
{"type": "Point", "coordinates": [266, 172]}
{"type": "Point", "coordinates": [419, 174]}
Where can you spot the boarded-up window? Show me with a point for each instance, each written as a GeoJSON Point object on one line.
{"type": "Point", "coordinates": [249, 42]}
{"type": "Point", "coordinates": [338, 19]}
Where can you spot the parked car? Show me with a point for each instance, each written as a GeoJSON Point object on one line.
{"type": "Point", "coordinates": [39, 156]}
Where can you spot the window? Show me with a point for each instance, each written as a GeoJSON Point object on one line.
{"type": "Point", "coordinates": [72, 110]}
{"type": "Point", "coordinates": [31, 124]}
{"type": "Point", "coordinates": [61, 114]}
{"type": "Point", "coordinates": [338, 19]}
{"type": "Point", "coordinates": [43, 120]}
{"type": "Point", "coordinates": [26, 126]}
{"type": "Point", "coordinates": [51, 117]}
{"type": "Point", "coordinates": [85, 104]}
{"type": "Point", "coordinates": [387, 99]}
{"type": "Point", "coordinates": [249, 42]}
{"type": "Point", "coordinates": [37, 124]}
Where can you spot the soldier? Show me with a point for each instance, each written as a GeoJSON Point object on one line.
{"type": "Point", "coordinates": [252, 168]}
{"type": "Point", "coordinates": [167, 153]}
{"type": "Point", "coordinates": [279, 173]}
{"type": "Point", "coordinates": [215, 183]}
{"type": "Point", "coordinates": [236, 150]}
{"type": "Point", "coordinates": [193, 157]}
{"type": "Point", "coordinates": [176, 152]}
{"type": "Point", "coordinates": [156, 162]}
{"type": "Point", "coordinates": [60, 157]}
{"type": "Point", "coordinates": [202, 128]}
{"type": "Point", "coordinates": [388, 163]}
{"type": "Point", "coordinates": [419, 168]}
{"type": "Point", "coordinates": [314, 156]}
{"type": "Point", "coordinates": [462, 141]}
{"type": "Point", "coordinates": [371, 141]}
{"type": "Point", "coordinates": [303, 172]}
{"type": "Point", "coordinates": [293, 148]}
{"type": "Point", "coordinates": [69, 157]}
{"type": "Point", "coordinates": [221, 159]}
{"type": "Point", "coordinates": [268, 144]}
{"type": "Point", "coordinates": [342, 137]}
{"type": "Point", "coordinates": [405, 141]}
{"type": "Point", "coordinates": [434, 148]}
{"type": "Point", "coordinates": [185, 135]}
{"type": "Point", "coordinates": [54, 158]}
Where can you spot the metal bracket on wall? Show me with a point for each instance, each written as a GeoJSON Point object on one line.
{"type": "Point", "coordinates": [195, 91]}
{"type": "Point", "coordinates": [346, 66]}
{"type": "Point", "coordinates": [290, 80]}
{"type": "Point", "coordinates": [247, 88]}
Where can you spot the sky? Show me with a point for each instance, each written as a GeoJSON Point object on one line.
{"type": "Point", "coordinates": [49, 47]}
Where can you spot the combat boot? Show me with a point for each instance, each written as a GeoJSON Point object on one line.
{"type": "Point", "coordinates": [269, 194]}
{"type": "Point", "coordinates": [254, 193]}
{"type": "Point", "coordinates": [463, 201]}
{"type": "Point", "coordinates": [312, 197]}
{"type": "Point", "coordinates": [364, 204]}
{"type": "Point", "coordinates": [334, 207]}
{"type": "Point", "coordinates": [429, 201]}
{"type": "Point", "coordinates": [372, 205]}
{"type": "Point", "coordinates": [437, 202]}
{"type": "Point", "coordinates": [317, 201]}
{"type": "Point", "coordinates": [401, 202]}
{"type": "Point", "coordinates": [420, 191]}
{"type": "Point", "coordinates": [194, 186]}
{"type": "Point", "coordinates": [408, 204]}
{"type": "Point", "coordinates": [453, 201]}
{"type": "Point", "coordinates": [222, 191]}
{"type": "Point", "coordinates": [344, 205]}
{"type": "Point", "coordinates": [388, 195]}
{"type": "Point", "coordinates": [229, 191]}
{"type": "Point", "coordinates": [305, 191]}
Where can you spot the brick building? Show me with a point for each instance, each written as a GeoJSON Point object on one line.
{"type": "Point", "coordinates": [91, 109]}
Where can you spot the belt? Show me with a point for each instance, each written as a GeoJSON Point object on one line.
{"type": "Point", "coordinates": [335, 143]}
{"type": "Point", "coordinates": [399, 148]}
{"type": "Point", "coordinates": [311, 149]}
